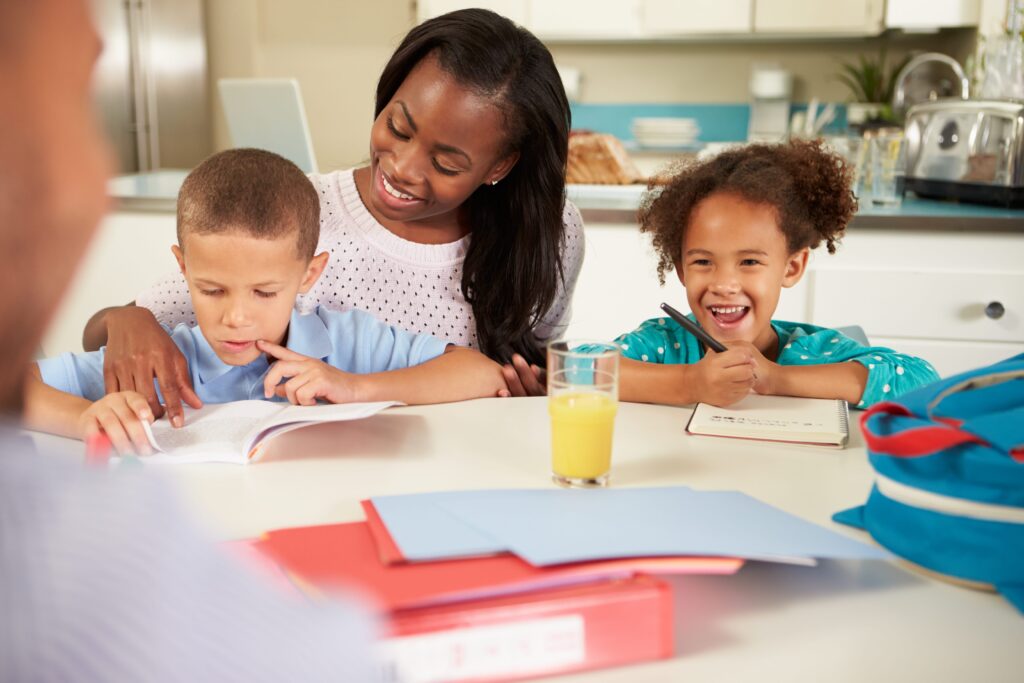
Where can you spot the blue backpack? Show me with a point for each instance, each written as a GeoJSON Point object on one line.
{"type": "Point", "coordinates": [949, 487]}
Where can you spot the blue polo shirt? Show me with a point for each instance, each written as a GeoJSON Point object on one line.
{"type": "Point", "coordinates": [353, 341]}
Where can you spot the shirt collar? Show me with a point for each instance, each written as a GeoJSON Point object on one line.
{"type": "Point", "coordinates": [307, 334]}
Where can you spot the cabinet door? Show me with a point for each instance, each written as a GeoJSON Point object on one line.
{"type": "Point", "coordinates": [670, 17]}
{"type": "Point", "coordinates": [585, 20]}
{"type": "Point", "coordinates": [130, 252]}
{"type": "Point", "coordinates": [513, 9]}
{"type": "Point", "coordinates": [949, 357]}
{"type": "Point", "coordinates": [854, 17]}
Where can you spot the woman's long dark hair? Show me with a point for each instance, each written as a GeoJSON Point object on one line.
{"type": "Point", "coordinates": [513, 265]}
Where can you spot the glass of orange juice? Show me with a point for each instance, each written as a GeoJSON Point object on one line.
{"type": "Point", "coordinates": [583, 397]}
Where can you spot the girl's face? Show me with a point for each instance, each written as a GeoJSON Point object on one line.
{"type": "Point", "coordinates": [432, 146]}
{"type": "Point", "coordinates": [734, 265]}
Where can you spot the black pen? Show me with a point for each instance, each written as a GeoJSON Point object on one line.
{"type": "Point", "coordinates": [694, 329]}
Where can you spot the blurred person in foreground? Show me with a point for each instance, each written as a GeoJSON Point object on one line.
{"type": "Point", "coordinates": [102, 577]}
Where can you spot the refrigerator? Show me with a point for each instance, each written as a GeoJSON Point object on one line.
{"type": "Point", "coordinates": [151, 82]}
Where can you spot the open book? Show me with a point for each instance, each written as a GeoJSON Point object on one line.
{"type": "Point", "coordinates": [237, 432]}
{"type": "Point", "coordinates": [816, 421]}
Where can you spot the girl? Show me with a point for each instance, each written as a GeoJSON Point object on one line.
{"type": "Point", "coordinates": [738, 229]}
{"type": "Point", "coordinates": [458, 227]}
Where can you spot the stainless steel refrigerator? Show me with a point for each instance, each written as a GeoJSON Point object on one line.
{"type": "Point", "coordinates": [151, 82]}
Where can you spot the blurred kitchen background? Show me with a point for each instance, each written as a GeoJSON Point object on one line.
{"type": "Point", "coordinates": [622, 60]}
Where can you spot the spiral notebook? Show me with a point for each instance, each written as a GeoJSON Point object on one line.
{"type": "Point", "coordinates": [815, 421]}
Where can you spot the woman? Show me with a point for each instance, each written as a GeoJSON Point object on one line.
{"type": "Point", "coordinates": [458, 227]}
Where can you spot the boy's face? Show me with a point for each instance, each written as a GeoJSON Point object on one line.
{"type": "Point", "coordinates": [243, 288]}
{"type": "Point", "coordinates": [734, 265]}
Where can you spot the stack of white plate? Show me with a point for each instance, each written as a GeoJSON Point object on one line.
{"type": "Point", "coordinates": [665, 132]}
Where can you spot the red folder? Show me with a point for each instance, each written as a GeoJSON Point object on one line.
{"type": "Point", "coordinates": [345, 555]}
{"type": "Point", "coordinates": [492, 618]}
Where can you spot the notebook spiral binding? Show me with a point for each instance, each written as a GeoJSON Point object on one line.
{"type": "Point", "coordinates": [844, 417]}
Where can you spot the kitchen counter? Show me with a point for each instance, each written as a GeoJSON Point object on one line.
{"type": "Point", "coordinates": [158, 190]}
{"type": "Point", "coordinates": [619, 203]}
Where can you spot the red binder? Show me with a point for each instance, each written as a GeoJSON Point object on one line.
{"type": "Point", "coordinates": [542, 633]}
{"type": "Point", "coordinates": [492, 618]}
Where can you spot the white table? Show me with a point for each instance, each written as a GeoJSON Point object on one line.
{"type": "Point", "coordinates": [840, 621]}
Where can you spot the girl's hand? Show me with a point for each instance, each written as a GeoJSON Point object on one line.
{"type": "Point", "coordinates": [311, 378]}
{"type": "Point", "coordinates": [722, 379]}
{"type": "Point", "coordinates": [120, 416]}
{"type": "Point", "coordinates": [524, 379]}
{"type": "Point", "coordinates": [138, 350]}
{"type": "Point", "coordinates": [766, 372]}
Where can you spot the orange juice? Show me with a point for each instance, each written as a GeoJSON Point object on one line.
{"type": "Point", "coordinates": [581, 434]}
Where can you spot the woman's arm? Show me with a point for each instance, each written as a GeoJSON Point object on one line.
{"type": "Point", "coordinates": [139, 350]}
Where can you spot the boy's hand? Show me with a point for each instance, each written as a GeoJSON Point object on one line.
{"type": "Point", "coordinates": [311, 378]}
{"type": "Point", "coordinates": [523, 379]}
{"type": "Point", "coordinates": [722, 379]}
{"type": "Point", "coordinates": [119, 416]}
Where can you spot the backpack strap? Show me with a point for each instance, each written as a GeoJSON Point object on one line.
{"type": "Point", "coordinates": [915, 437]}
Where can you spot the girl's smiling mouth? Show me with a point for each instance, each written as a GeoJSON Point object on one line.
{"type": "Point", "coordinates": [728, 316]}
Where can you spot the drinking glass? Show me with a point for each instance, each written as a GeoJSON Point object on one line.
{"type": "Point", "coordinates": [888, 168]}
{"type": "Point", "coordinates": [583, 398]}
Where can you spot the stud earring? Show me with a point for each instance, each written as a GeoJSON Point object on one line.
{"type": "Point", "coordinates": [494, 182]}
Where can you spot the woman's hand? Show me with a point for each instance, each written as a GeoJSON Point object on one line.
{"type": "Point", "coordinates": [138, 350]}
{"type": "Point", "coordinates": [524, 379]}
{"type": "Point", "coordinates": [120, 416]}
{"type": "Point", "coordinates": [722, 379]}
{"type": "Point", "coordinates": [311, 378]}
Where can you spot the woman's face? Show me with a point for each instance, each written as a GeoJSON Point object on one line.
{"type": "Point", "coordinates": [432, 146]}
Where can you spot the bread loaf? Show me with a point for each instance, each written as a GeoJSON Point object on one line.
{"type": "Point", "coordinates": [599, 159]}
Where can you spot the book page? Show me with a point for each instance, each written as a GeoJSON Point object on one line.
{"type": "Point", "coordinates": [213, 433]}
{"type": "Point", "coordinates": [294, 417]}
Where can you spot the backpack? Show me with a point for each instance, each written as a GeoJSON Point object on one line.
{"type": "Point", "coordinates": [949, 487]}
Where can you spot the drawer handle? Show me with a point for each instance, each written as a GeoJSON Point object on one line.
{"type": "Point", "coordinates": [995, 310]}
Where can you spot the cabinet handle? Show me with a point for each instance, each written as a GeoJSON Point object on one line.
{"type": "Point", "coordinates": [995, 310]}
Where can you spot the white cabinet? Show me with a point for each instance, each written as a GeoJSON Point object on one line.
{"type": "Point", "coordinates": [921, 292]}
{"type": "Point", "coordinates": [585, 19]}
{"type": "Point", "coordinates": [931, 14]}
{"type": "Point", "coordinates": [130, 252]}
{"type": "Point", "coordinates": [849, 17]}
{"type": "Point", "coordinates": [516, 10]}
{"type": "Point", "coordinates": [665, 18]}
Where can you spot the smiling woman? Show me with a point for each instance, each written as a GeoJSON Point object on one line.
{"type": "Point", "coordinates": [458, 227]}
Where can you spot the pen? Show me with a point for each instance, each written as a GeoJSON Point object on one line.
{"type": "Point", "coordinates": [97, 449]}
{"type": "Point", "coordinates": [694, 329]}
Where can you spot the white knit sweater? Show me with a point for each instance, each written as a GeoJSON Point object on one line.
{"type": "Point", "coordinates": [413, 286]}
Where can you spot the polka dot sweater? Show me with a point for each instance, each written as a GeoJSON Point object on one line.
{"type": "Point", "coordinates": [663, 340]}
{"type": "Point", "coordinates": [413, 286]}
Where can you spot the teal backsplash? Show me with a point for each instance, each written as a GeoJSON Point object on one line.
{"type": "Point", "coordinates": [718, 122]}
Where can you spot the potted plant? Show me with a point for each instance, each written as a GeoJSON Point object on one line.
{"type": "Point", "coordinates": [871, 87]}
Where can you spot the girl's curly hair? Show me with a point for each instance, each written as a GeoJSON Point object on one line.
{"type": "Point", "coordinates": [808, 185]}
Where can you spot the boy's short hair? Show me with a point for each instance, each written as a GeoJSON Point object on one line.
{"type": "Point", "coordinates": [251, 191]}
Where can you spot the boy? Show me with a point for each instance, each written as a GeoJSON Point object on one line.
{"type": "Point", "coordinates": [248, 225]}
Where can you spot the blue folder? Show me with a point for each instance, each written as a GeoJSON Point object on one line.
{"type": "Point", "coordinates": [548, 527]}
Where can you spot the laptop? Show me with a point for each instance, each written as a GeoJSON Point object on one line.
{"type": "Point", "coordinates": [267, 113]}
